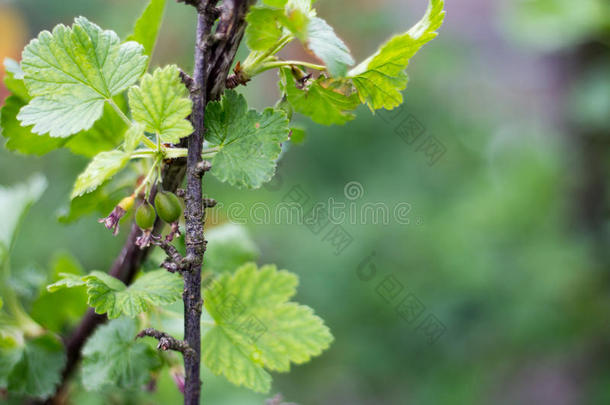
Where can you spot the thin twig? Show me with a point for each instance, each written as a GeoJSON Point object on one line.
{"type": "Point", "coordinates": [172, 253]}
{"type": "Point", "coordinates": [214, 54]}
{"type": "Point", "coordinates": [167, 342]}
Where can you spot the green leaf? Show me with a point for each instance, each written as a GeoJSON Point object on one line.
{"type": "Point", "coordinates": [298, 16]}
{"type": "Point", "coordinates": [323, 42]}
{"type": "Point", "coordinates": [276, 3]}
{"type": "Point", "coordinates": [21, 139]}
{"type": "Point", "coordinates": [161, 103]}
{"type": "Point", "coordinates": [100, 169]}
{"type": "Point", "coordinates": [257, 328]}
{"type": "Point", "coordinates": [12, 343]}
{"type": "Point", "coordinates": [325, 101]}
{"type": "Point", "coordinates": [133, 137]}
{"type": "Point", "coordinates": [229, 247]}
{"type": "Point", "coordinates": [109, 295]}
{"type": "Point", "coordinates": [71, 72]}
{"type": "Point", "coordinates": [56, 310]}
{"type": "Point", "coordinates": [264, 29]}
{"type": "Point", "coordinates": [266, 26]}
{"type": "Point", "coordinates": [148, 25]}
{"type": "Point", "coordinates": [113, 358]}
{"type": "Point", "coordinates": [381, 78]}
{"type": "Point", "coordinates": [248, 142]}
{"type": "Point", "coordinates": [67, 280]}
{"type": "Point", "coordinates": [37, 371]}
{"type": "Point", "coordinates": [14, 202]}
{"type": "Point", "coordinates": [106, 134]}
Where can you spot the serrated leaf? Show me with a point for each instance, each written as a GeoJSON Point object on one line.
{"type": "Point", "coordinates": [106, 134]}
{"type": "Point", "coordinates": [222, 355]}
{"type": "Point", "coordinates": [113, 358]}
{"type": "Point", "coordinates": [229, 247]}
{"type": "Point", "coordinates": [100, 169]}
{"type": "Point", "coordinates": [161, 103]}
{"type": "Point", "coordinates": [110, 296]}
{"type": "Point", "coordinates": [327, 46]}
{"type": "Point", "coordinates": [146, 29]}
{"type": "Point", "coordinates": [257, 329]}
{"type": "Point", "coordinates": [56, 310]}
{"type": "Point", "coordinates": [264, 28]}
{"type": "Point", "coordinates": [11, 347]}
{"type": "Point", "coordinates": [37, 371]}
{"type": "Point", "coordinates": [67, 280]}
{"type": "Point", "coordinates": [381, 78]}
{"type": "Point", "coordinates": [14, 202]}
{"type": "Point", "coordinates": [324, 100]}
{"type": "Point", "coordinates": [248, 141]}
{"type": "Point", "coordinates": [71, 72]}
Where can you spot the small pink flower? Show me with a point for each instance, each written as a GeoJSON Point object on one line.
{"type": "Point", "coordinates": [145, 239]}
{"type": "Point", "coordinates": [112, 220]}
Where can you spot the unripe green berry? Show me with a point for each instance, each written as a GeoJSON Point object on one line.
{"type": "Point", "coordinates": [168, 206]}
{"type": "Point", "coordinates": [145, 216]}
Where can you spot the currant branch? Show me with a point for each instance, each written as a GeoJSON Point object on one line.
{"type": "Point", "coordinates": [167, 342]}
{"type": "Point", "coordinates": [172, 148]}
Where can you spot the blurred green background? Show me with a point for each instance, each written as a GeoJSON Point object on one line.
{"type": "Point", "coordinates": [502, 258]}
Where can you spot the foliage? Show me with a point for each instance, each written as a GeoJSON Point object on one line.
{"type": "Point", "coordinates": [81, 88]}
{"type": "Point", "coordinates": [257, 328]}
{"type": "Point", "coordinates": [248, 143]}
{"type": "Point", "coordinates": [112, 357]}
{"type": "Point", "coordinates": [110, 296]}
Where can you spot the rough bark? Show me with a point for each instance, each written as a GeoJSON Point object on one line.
{"type": "Point", "coordinates": [214, 54]}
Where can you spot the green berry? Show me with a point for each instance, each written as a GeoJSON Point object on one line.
{"type": "Point", "coordinates": [145, 216]}
{"type": "Point", "coordinates": [168, 206]}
